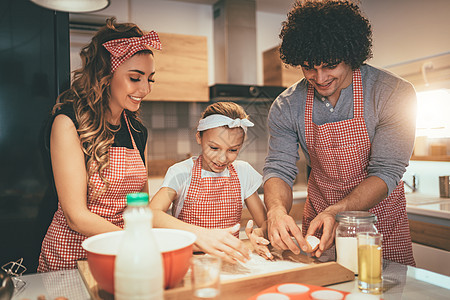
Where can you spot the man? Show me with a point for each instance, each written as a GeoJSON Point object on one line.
{"type": "Point", "coordinates": [354, 123]}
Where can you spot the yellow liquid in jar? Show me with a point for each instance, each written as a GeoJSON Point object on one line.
{"type": "Point", "coordinates": [369, 264]}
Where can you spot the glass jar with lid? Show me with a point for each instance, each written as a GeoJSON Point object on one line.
{"type": "Point", "coordinates": [349, 224]}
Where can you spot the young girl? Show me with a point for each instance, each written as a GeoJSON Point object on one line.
{"type": "Point", "coordinates": [207, 192]}
{"type": "Point", "coordinates": [95, 144]}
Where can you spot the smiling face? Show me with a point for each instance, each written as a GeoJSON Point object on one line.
{"type": "Point", "coordinates": [130, 83]}
{"type": "Point", "coordinates": [220, 147]}
{"type": "Point", "coordinates": [329, 80]}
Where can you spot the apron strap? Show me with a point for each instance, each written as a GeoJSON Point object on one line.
{"type": "Point", "coordinates": [129, 130]}
{"type": "Point", "coordinates": [358, 104]}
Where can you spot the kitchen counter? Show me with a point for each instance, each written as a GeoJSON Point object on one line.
{"type": "Point", "coordinates": [400, 282]}
{"type": "Point", "coordinates": [428, 208]}
{"type": "Point", "coordinates": [432, 208]}
{"type": "Point", "coordinates": [420, 207]}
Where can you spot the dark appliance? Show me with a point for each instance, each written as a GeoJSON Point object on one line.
{"type": "Point", "coordinates": [244, 93]}
{"type": "Point", "coordinates": [34, 69]}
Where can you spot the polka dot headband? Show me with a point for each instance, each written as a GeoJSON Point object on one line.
{"type": "Point", "coordinates": [122, 49]}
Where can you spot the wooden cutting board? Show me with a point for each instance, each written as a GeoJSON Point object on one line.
{"type": "Point", "coordinates": [315, 273]}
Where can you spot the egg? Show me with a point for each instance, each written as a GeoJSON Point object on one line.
{"type": "Point", "coordinates": [313, 242]}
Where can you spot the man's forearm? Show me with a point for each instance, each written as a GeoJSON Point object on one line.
{"type": "Point", "coordinates": [277, 195]}
{"type": "Point", "coordinates": [366, 195]}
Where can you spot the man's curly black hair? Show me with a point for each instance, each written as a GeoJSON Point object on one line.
{"type": "Point", "coordinates": [328, 32]}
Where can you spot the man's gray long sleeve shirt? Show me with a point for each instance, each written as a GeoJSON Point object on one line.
{"type": "Point", "coordinates": [389, 114]}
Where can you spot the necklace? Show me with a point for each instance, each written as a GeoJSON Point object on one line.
{"type": "Point", "coordinates": [111, 127]}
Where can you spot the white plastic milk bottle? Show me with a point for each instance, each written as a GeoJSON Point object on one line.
{"type": "Point", "coordinates": [138, 270]}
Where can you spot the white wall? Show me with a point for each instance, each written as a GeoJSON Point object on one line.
{"type": "Point", "coordinates": [404, 30]}
{"type": "Point", "coordinates": [268, 28]}
{"type": "Point", "coordinates": [427, 175]}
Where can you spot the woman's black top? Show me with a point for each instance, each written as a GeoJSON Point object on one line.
{"type": "Point", "coordinates": [122, 138]}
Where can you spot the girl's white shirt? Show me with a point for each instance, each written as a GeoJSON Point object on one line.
{"type": "Point", "coordinates": [178, 178]}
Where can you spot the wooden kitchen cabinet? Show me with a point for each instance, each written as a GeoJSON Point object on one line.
{"type": "Point", "coordinates": [181, 69]}
{"type": "Point", "coordinates": [429, 234]}
{"type": "Point", "coordinates": [431, 246]}
{"type": "Point", "coordinates": [277, 73]}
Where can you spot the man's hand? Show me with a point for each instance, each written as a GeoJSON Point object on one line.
{"type": "Point", "coordinates": [325, 221]}
{"type": "Point", "coordinates": [281, 227]}
{"type": "Point", "coordinates": [222, 243]}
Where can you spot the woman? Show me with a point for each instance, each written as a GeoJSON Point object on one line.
{"type": "Point", "coordinates": [97, 145]}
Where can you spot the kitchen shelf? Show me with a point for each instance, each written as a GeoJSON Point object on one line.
{"type": "Point", "coordinates": [431, 158]}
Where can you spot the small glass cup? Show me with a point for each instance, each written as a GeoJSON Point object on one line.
{"type": "Point", "coordinates": [370, 262]}
{"type": "Point", "coordinates": [205, 276]}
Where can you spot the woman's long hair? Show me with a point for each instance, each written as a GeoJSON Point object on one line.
{"type": "Point", "coordinates": [90, 92]}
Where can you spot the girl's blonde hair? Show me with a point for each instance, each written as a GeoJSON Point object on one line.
{"type": "Point", "coordinates": [229, 109]}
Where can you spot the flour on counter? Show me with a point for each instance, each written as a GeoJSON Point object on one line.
{"type": "Point", "coordinates": [255, 266]}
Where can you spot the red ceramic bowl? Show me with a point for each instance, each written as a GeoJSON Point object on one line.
{"type": "Point", "coordinates": [175, 245]}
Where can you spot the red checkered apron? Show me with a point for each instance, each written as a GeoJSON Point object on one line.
{"type": "Point", "coordinates": [339, 155]}
{"type": "Point", "coordinates": [212, 202]}
{"type": "Point", "coordinates": [126, 174]}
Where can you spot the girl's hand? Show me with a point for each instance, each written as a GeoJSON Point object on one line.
{"type": "Point", "coordinates": [222, 243]}
{"type": "Point", "coordinates": [258, 241]}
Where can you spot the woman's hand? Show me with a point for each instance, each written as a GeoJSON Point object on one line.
{"type": "Point", "coordinates": [258, 241]}
{"type": "Point", "coordinates": [222, 243]}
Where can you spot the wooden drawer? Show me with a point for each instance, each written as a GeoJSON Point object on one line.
{"type": "Point", "coordinates": [432, 235]}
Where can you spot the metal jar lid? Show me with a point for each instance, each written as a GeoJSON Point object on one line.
{"type": "Point", "coordinates": [357, 217]}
